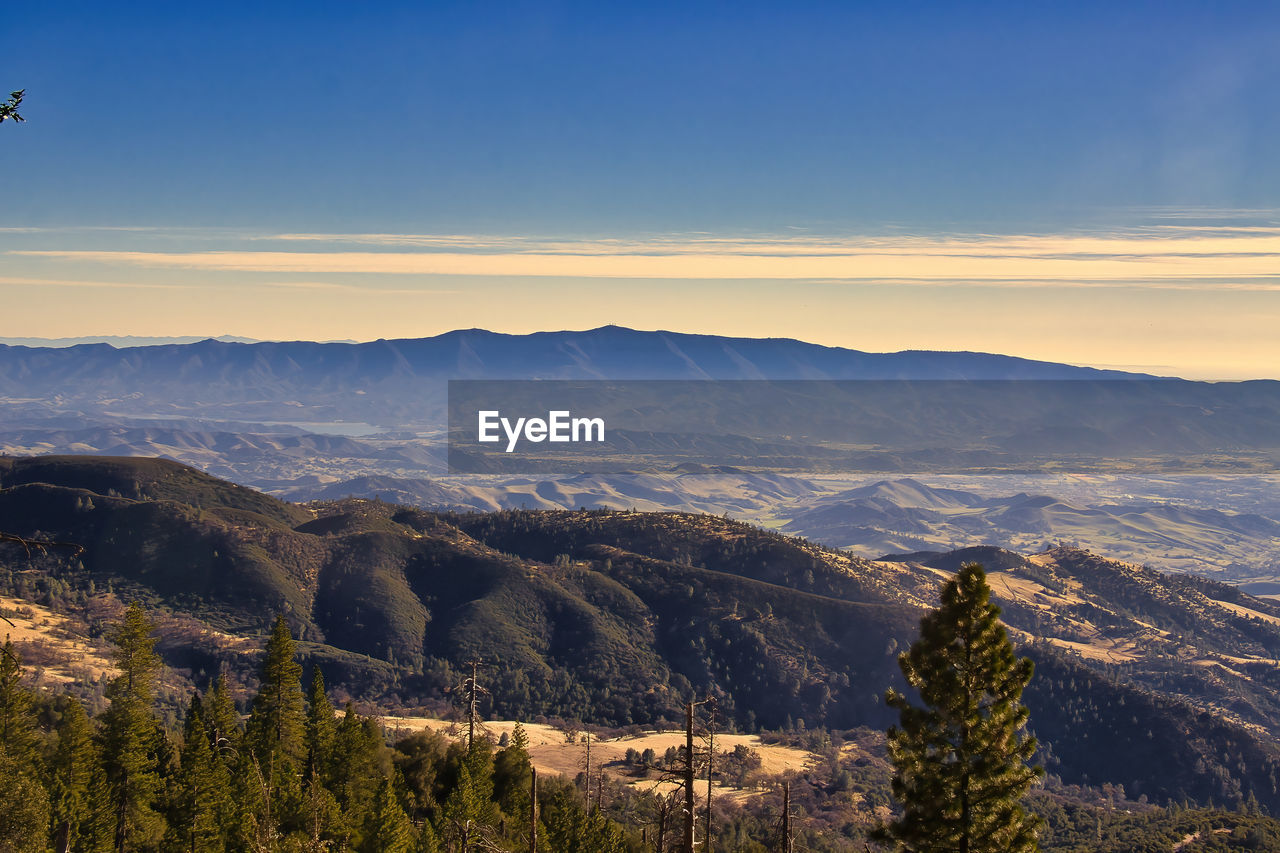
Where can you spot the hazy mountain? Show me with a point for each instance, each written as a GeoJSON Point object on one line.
{"type": "Point", "coordinates": [610, 352]}
{"type": "Point", "coordinates": [688, 488]}
{"type": "Point", "coordinates": [400, 381]}
{"type": "Point", "coordinates": [120, 341]}
{"type": "Point", "coordinates": [907, 492]}
{"type": "Point", "coordinates": [905, 515]}
{"type": "Point", "coordinates": [882, 517]}
{"type": "Point", "coordinates": [619, 616]}
{"type": "Point", "coordinates": [907, 412]}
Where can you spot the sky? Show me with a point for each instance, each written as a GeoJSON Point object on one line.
{"type": "Point", "coordinates": [1087, 183]}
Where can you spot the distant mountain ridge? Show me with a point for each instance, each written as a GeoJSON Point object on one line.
{"type": "Point", "coordinates": [904, 412]}
{"type": "Point", "coordinates": [612, 352]}
{"type": "Point", "coordinates": [121, 341]}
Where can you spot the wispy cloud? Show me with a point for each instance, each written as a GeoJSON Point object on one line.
{"type": "Point", "coordinates": [1182, 257]}
{"type": "Point", "coordinates": [333, 286]}
{"type": "Point", "coordinates": [1158, 239]}
{"type": "Point", "coordinates": [22, 281]}
{"type": "Point", "coordinates": [72, 229]}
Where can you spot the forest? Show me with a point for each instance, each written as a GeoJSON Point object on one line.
{"type": "Point", "coordinates": [283, 770]}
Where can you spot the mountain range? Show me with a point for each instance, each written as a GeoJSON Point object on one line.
{"type": "Point", "coordinates": [906, 412]}
{"type": "Point", "coordinates": [400, 383]}
{"type": "Point", "coordinates": [1166, 684]}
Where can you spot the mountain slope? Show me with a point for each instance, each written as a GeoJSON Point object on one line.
{"type": "Point", "coordinates": [1163, 684]}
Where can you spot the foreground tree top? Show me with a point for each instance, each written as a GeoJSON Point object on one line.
{"type": "Point", "coordinates": [961, 760]}
{"type": "Point", "coordinates": [9, 109]}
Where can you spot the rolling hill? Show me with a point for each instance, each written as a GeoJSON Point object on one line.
{"type": "Point", "coordinates": [906, 515]}
{"type": "Point", "coordinates": [1164, 684]}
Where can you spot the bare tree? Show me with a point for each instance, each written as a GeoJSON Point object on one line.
{"type": "Point", "coordinates": [470, 691]}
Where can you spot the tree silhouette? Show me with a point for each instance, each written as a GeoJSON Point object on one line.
{"type": "Point", "coordinates": [9, 109]}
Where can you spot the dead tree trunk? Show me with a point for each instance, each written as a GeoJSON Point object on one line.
{"type": "Point", "coordinates": [533, 810]}
{"type": "Point", "coordinates": [688, 779]}
{"type": "Point", "coordinates": [786, 818]}
{"type": "Point", "coordinates": [711, 757]}
{"type": "Point", "coordinates": [588, 785]}
{"type": "Point", "coordinates": [472, 691]}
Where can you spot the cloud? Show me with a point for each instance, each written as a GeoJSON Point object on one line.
{"type": "Point", "coordinates": [333, 286]}
{"type": "Point", "coordinates": [1182, 257]}
{"type": "Point", "coordinates": [22, 281]}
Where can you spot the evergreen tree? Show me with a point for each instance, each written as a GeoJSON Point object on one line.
{"type": "Point", "coordinates": [569, 829]}
{"type": "Point", "coordinates": [462, 811]}
{"type": "Point", "coordinates": [9, 108]}
{"type": "Point", "coordinates": [74, 798]}
{"type": "Point", "coordinates": [256, 824]}
{"type": "Point", "coordinates": [420, 760]}
{"type": "Point", "coordinates": [223, 722]}
{"type": "Point", "coordinates": [24, 809]}
{"type": "Point", "coordinates": [129, 735]}
{"type": "Point", "coordinates": [479, 764]}
{"type": "Point", "coordinates": [511, 778]}
{"type": "Point", "coordinates": [322, 816]}
{"type": "Point", "coordinates": [17, 719]}
{"type": "Point", "coordinates": [201, 803]}
{"type": "Point", "coordinates": [276, 723]}
{"type": "Point", "coordinates": [360, 761]}
{"type": "Point", "coordinates": [387, 829]}
{"type": "Point", "coordinates": [321, 730]}
{"type": "Point", "coordinates": [961, 760]}
{"type": "Point", "coordinates": [428, 841]}
{"type": "Point", "coordinates": [275, 741]}
{"type": "Point", "coordinates": [24, 801]}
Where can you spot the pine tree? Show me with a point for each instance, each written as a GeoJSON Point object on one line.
{"type": "Point", "coordinates": [9, 108]}
{"type": "Point", "coordinates": [321, 730]}
{"type": "Point", "coordinates": [360, 759]}
{"type": "Point", "coordinates": [17, 720]}
{"type": "Point", "coordinates": [223, 722]}
{"type": "Point", "coordinates": [322, 816]}
{"type": "Point", "coordinates": [256, 824]}
{"type": "Point", "coordinates": [276, 723]}
{"type": "Point", "coordinates": [24, 801]}
{"type": "Point", "coordinates": [569, 829]}
{"type": "Point", "coordinates": [129, 735]}
{"type": "Point", "coordinates": [511, 777]}
{"type": "Point", "coordinates": [479, 763]}
{"type": "Point", "coordinates": [72, 768]}
{"type": "Point", "coordinates": [462, 809]}
{"type": "Point", "coordinates": [201, 803]}
{"type": "Point", "coordinates": [961, 760]}
{"type": "Point", "coordinates": [24, 809]}
{"type": "Point", "coordinates": [428, 841]}
{"type": "Point", "coordinates": [387, 829]}
{"type": "Point", "coordinates": [275, 741]}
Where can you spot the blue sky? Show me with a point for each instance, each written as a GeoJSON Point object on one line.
{"type": "Point", "coordinates": [554, 129]}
